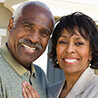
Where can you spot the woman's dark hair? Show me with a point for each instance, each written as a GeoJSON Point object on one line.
{"type": "Point", "coordinates": [85, 26]}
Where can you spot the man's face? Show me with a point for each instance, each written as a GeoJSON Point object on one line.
{"type": "Point", "coordinates": [29, 38]}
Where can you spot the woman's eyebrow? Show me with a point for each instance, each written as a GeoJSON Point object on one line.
{"type": "Point", "coordinates": [63, 36]}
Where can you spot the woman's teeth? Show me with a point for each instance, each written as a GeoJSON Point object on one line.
{"type": "Point", "coordinates": [70, 60]}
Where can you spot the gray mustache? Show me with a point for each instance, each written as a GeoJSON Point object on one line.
{"type": "Point", "coordinates": [30, 43]}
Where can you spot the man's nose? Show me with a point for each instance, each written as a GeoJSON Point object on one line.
{"type": "Point", "coordinates": [35, 36]}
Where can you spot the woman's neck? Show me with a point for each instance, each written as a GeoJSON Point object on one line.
{"type": "Point", "coordinates": [70, 81]}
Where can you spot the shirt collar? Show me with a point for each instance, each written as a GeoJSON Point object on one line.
{"type": "Point", "coordinates": [19, 69]}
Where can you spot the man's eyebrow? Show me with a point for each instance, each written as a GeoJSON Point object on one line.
{"type": "Point", "coordinates": [32, 24]}
{"type": "Point", "coordinates": [29, 23]}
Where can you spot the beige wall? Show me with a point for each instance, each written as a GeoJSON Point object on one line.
{"type": "Point", "coordinates": [5, 15]}
{"type": "Point", "coordinates": [96, 71]}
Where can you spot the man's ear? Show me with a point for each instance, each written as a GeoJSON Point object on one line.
{"type": "Point", "coordinates": [10, 26]}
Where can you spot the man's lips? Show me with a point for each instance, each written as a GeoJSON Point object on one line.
{"type": "Point", "coordinates": [28, 49]}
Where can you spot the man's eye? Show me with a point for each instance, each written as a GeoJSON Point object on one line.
{"type": "Point", "coordinates": [44, 33]}
{"type": "Point", "coordinates": [27, 26]}
{"type": "Point", "coordinates": [79, 43]}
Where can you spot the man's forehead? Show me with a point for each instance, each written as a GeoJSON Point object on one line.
{"type": "Point", "coordinates": [36, 11]}
{"type": "Point", "coordinates": [32, 8]}
{"type": "Point", "coordinates": [30, 20]}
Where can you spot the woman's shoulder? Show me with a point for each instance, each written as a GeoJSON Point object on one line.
{"type": "Point", "coordinates": [91, 90]}
{"type": "Point", "coordinates": [93, 84]}
{"type": "Point", "coordinates": [95, 79]}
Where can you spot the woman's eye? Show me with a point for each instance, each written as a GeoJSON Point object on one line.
{"type": "Point", "coordinates": [63, 42]}
{"type": "Point", "coordinates": [79, 43]}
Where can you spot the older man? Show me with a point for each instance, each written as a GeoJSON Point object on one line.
{"type": "Point", "coordinates": [30, 29]}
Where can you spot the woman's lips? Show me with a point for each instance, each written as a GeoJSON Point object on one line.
{"type": "Point", "coordinates": [71, 60]}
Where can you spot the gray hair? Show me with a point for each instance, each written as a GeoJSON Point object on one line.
{"type": "Point", "coordinates": [18, 12]}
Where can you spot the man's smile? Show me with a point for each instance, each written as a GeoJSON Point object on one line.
{"type": "Point", "coordinates": [28, 47]}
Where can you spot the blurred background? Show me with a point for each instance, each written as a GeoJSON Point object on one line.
{"type": "Point", "coordinates": [58, 8]}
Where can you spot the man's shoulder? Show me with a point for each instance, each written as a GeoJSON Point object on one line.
{"type": "Point", "coordinates": [54, 89]}
{"type": "Point", "coordinates": [57, 84]}
{"type": "Point", "coordinates": [3, 67]}
{"type": "Point", "coordinates": [2, 61]}
{"type": "Point", "coordinates": [41, 76]}
{"type": "Point", "coordinates": [39, 70]}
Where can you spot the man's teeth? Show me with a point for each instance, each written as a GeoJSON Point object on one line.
{"type": "Point", "coordinates": [27, 47]}
{"type": "Point", "coordinates": [71, 60]}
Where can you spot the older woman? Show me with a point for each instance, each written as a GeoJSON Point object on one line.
{"type": "Point", "coordinates": [75, 51]}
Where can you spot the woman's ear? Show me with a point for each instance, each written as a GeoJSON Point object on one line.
{"type": "Point", "coordinates": [90, 57]}
{"type": "Point", "coordinates": [10, 26]}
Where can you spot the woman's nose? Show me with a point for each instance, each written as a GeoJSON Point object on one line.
{"type": "Point", "coordinates": [70, 48]}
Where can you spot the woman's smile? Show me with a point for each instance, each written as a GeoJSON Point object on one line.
{"type": "Point", "coordinates": [70, 60]}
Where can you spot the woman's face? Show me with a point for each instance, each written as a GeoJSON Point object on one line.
{"type": "Point", "coordinates": [73, 52]}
